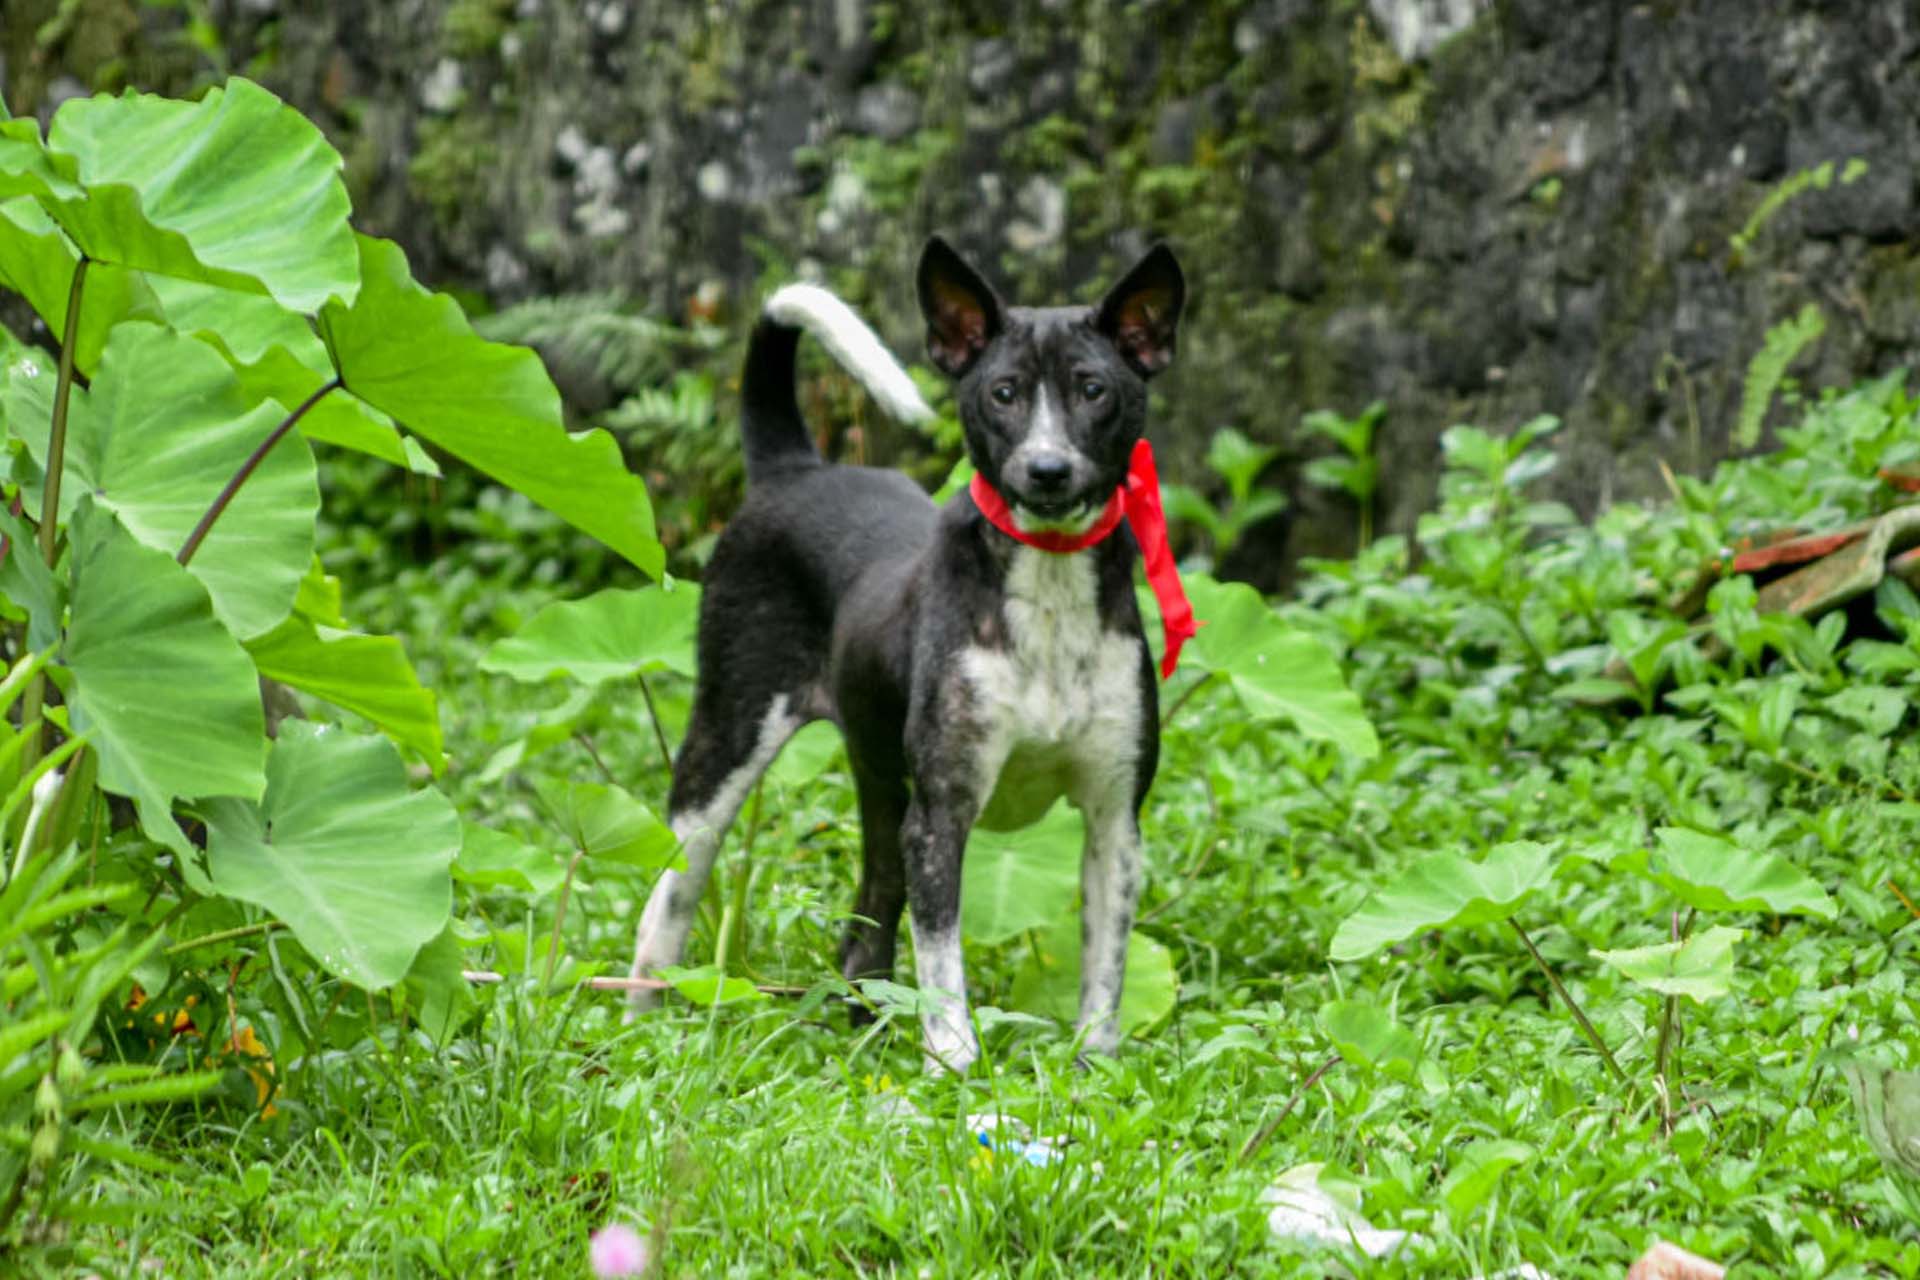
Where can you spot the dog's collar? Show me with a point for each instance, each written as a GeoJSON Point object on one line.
{"type": "Point", "coordinates": [1000, 515]}
{"type": "Point", "coordinates": [1138, 500]}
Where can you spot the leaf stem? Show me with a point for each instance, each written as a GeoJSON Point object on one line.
{"type": "Point", "coordinates": [1267, 1130]}
{"type": "Point", "coordinates": [659, 734]}
{"type": "Point", "coordinates": [1185, 693]}
{"type": "Point", "coordinates": [560, 915]}
{"type": "Point", "coordinates": [1593, 1037]}
{"type": "Point", "coordinates": [247, 468]}
{"type": "Point", "coordinates": [733, 926]}
{"type": "Point", "coordinates": [35, 696]}
{"type": "Point", "coordinates": [57, 441]}
{"type": "Point", "coordinates": [1664, 1045]}
{"type": "Point", "coordinates": [224, 935]}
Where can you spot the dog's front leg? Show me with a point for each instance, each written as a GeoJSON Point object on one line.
{"type": "Point", "coordinates": [1109, 889]}
{"type": "Point", "coordinates": [933, 840]}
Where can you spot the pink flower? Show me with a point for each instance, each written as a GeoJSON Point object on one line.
{"type": "Point", "coordinates": [617, 1250]}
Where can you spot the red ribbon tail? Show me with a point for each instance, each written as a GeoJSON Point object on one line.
{"type": "Point", "coordinates": [1149, 524]}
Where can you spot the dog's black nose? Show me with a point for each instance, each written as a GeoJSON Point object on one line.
{"type": "Point", "coordinates": [1049, 471]}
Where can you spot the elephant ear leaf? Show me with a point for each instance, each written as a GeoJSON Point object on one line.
{"type": "Point", "coordinates": [237, 189]}
{"type": "Point", "coordinates": [1712, 873]}
{"type": "Point", "coordinates": [1278, 672]}
{"type": "Point", "coordinates": [1700, 967]}
{"type": "Point", "coordinates": [611, 635]}
{"type": "Point", "coordinates": [147, 668]}
{"type": "Point", "coordinates": [412, 355]}
{"type": "Point", "coordinates": [1444, 891]}
{"type": "Point", "coordinates": [341, 850]}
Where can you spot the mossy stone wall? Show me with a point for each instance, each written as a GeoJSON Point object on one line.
{"type": "Point", "coordinates": [1475, 210]}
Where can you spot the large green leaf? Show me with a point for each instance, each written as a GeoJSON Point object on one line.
{"type": "Point", "coordinates": [1711, 873]}
{"type": "Point", "coordinates": [1049, 982]}
{"type": "Point", "coordinates": [165, 694]}
{"type": "Point", "coordinates": [342, 851]}
{"type": "Point", "coordinates": [163, 429]}
{"type": "Point", "coordinates": [489, 858]}
{"type": "Point", "coordinates": [368, 675]}
{"type": "Point", "coordinates": [1700, 967]}
{"type": "Point", "coordinates": [25, 166]}
{"type": "Point", "coordinates": [276, 355]}
{"type": "Point", "coordinates": [29, 584]}
{"type": "Point", "coordinates": [413, 355]}
{"type": "Point", "coordinates": [37, 262]}
{"type": "Point", "coordinates": [1014, 881]}
{"type": "Point", "coordinates": [603, 821]}
{"type": "Point", "coordinates": [237, 189]}
{"type": "Point", "coordinates": [1477, 1171]}
{"type": "Point", "coordinates": [437, 986]}
{"type": "Point", "coordinates": [1442, 891]}
{"type": "Point", "coordinates": [1277, 672]}
{"type": "Point", "coordinates": [610, 635]}
{"type": "Point", "coordinates": [1367, 1036]}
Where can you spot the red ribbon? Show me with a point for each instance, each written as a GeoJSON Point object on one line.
{"type": "Point", "coordinates": [1138, 499]}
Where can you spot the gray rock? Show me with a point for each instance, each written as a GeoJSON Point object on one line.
{"type": "Point", "coordinates": [887, 111]}
{"type": "Point", "coordinates": [1415, 28]}
{"type": "Point", "coordinates": [991, 66]}
{"type": "Point", "coordinates": [1042, 203]}
{"type": "Point", "coordinates": [444, 88]}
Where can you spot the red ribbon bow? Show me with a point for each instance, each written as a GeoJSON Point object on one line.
{"type": "Point", "coordinates": [1138, 499]}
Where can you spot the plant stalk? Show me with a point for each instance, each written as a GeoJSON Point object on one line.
{"type": "Point", "coordinates": [247, 468]}
{"type": "Point", "coordinates": [1185, 694]}
{"type": "Point", "coordinates": [1662, 1046]}
{"type": "Point", "coordinates": [659, 734]}
{"type": "Point", "coordinates": [1267, 1130]}
{"type": "Point", "coordinates": [224, 935]}
{"type": "Point", "coordinates": [1593, 1037]}
{"type": "Point", "coordinates": [57, 441]}
{"type": "Point", "coordinates": [560, 914]}
{"type": "Point", "coordinates": [733, 927]}
{"type": "Point", "coordinates": [36, 692]}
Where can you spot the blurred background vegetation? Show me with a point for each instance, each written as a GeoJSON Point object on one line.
{"type": "Point", "coordinates": [1396, 215]}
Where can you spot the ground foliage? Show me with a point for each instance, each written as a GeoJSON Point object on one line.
{"type": "Point", "coordinates": [1698, 829]}
{"type": "Point", "coordinates": [762, 1136]}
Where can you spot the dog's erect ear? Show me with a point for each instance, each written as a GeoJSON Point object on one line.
{"type": "Point", "coordinates": [1139, 314]}
{"type": "Point", "coordinates": [962, 310]}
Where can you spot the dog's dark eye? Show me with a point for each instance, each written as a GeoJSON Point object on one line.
{"type": "Point", "coordinates": [1092, 388]}
{"type": "Point", "coordinates": [1002, 393]}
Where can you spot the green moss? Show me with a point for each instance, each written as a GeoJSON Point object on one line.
{"type": "Point", "coordinates": [452, 165]}
{"type": "Point", "coordinates": [474, 28]}
{"type": "Point", "coordinates": [892, 172]}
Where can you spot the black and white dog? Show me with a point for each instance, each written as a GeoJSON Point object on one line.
{"type": "Point", "coordinates": [975, 678]}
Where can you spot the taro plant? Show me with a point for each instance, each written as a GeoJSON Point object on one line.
{"type": "Point", "coordinates": [219, 320]}
{"type": "Point", "coordinates": [1703, 872]}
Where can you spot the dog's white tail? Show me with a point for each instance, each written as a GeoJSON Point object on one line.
{"type": "Point", "coordinates": [853, 346]}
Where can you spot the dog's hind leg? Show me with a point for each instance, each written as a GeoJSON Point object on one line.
{"type": "Point", "coordinates": [872, 935]}
{"type": "Point", "coordinates": [720, 760]}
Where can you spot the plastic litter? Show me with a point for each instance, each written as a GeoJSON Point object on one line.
{"type": "Point", "coordinates": [1305, 1212]}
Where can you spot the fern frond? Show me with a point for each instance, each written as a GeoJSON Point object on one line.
{"type": "Point", "coordinates": [596, 330]}
{"type": "Point", "coordinates": [1785, 341]}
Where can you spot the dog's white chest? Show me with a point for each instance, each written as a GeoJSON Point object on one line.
{"type": "Point", "coordinates": [1060, 703]}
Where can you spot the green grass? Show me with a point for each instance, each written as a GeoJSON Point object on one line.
{"type": "Point", "coordinates": [771, 1138]}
